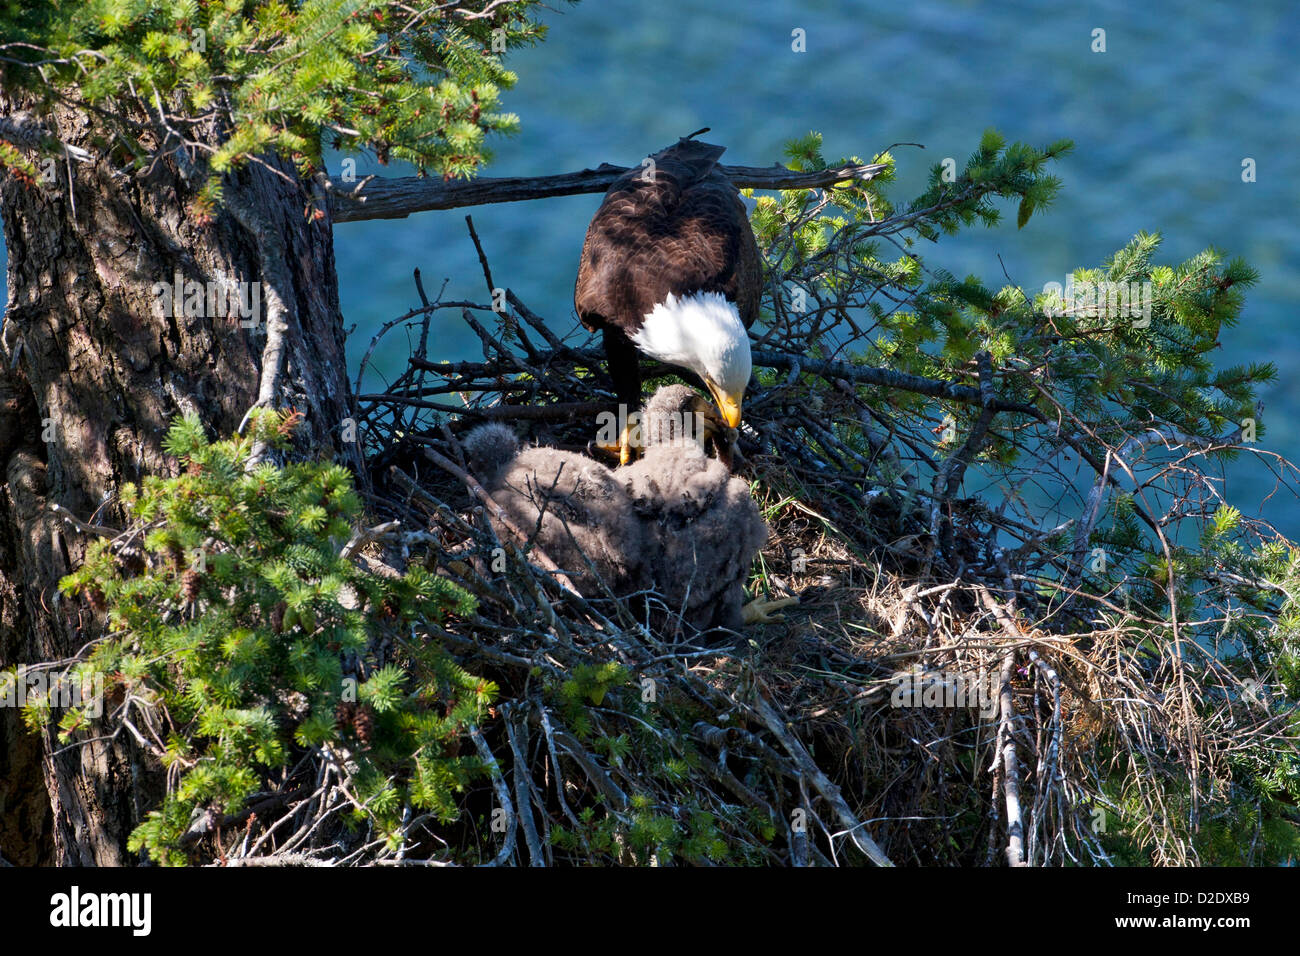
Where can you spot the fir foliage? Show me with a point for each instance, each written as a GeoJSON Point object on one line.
{"type": "Point", "coordinates": [244, 646]}
{"type": "Point", "coordinates": [235, 81]}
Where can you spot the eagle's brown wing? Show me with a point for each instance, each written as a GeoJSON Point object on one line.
{"type": "Point", "coordinates": [681, 230]}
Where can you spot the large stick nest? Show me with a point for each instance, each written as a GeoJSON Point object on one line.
{"type": "Point", "coordinates": [923, 704]}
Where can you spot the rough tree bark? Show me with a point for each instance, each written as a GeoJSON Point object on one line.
{"type": "Point", "coordinates": [91, 372]}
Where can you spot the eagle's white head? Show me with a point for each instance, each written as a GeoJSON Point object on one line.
{"type": "Point", "coordinates": [702, 332]}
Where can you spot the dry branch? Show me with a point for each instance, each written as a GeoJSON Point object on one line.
{"type": "Point", "coordinates": [888, 378]}
{"type": "Point", "coordinates": [1010, 765]}
{"type": "Point", "coordinates": [829, 791]}
{"type": "Point", "coordinates": [397, 198]}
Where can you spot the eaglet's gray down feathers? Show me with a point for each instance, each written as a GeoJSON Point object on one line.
{"type": "Point", "coordinates": [675, 521]}
{"type": "Point", "coordinates": [587, 525]}
{"type": "Point", "coordinates": [703, 526]}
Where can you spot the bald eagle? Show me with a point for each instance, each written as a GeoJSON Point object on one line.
{"type": "Point", "coordinates": [670, 269]}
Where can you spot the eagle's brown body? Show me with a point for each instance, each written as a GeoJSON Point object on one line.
{"type": "Point", "coordinates": [676, 227]}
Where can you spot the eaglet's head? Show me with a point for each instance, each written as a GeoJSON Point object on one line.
{"type": "Point", "coordinates": [489, 447]}
{"type": "Point", "coordinates": [677, 414]}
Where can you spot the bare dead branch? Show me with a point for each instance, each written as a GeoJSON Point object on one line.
{"type": "Point", "coordinates": [397, 198]}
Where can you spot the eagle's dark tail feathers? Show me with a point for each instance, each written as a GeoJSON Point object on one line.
{"type": "Point", "coordinates": [697, 158]}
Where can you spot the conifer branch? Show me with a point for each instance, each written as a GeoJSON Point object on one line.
{"type": "Point", "coordinates": [397, 198]}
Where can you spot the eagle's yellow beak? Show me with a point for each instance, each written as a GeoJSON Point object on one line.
{"type": "Point", "coordinates": [728, 404]}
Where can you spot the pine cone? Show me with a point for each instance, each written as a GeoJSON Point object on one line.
{"type": "Point", "coordinates": [277, 617]}
{"type": "Point", "coordinates": [130, 561]}
{"type": "Point", "coordinates": [345, 714]}
{"type": "Point", "coordinates": [190, 582]}
{"type": "Point", "coordinates": [97, 599]}
{"type": "Point", "coordinates": [364, 724]}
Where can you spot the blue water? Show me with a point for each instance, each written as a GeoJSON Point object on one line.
{"type": "Point", "coordinates": [1162, 121]}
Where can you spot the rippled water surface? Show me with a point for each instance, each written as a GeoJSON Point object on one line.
{"type": "Point", "coordinates": [1162, 121]}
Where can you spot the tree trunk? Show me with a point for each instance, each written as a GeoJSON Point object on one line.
{"type": "Point", "coordinates": [91, 372]}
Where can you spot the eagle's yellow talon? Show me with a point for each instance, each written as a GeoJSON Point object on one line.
{"type": "Point", "coordinates": [628, 447]}
{"type": "Point", "coordinates": [760, 611]}
{"type": "Point", "coordinates": [629, 439]}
